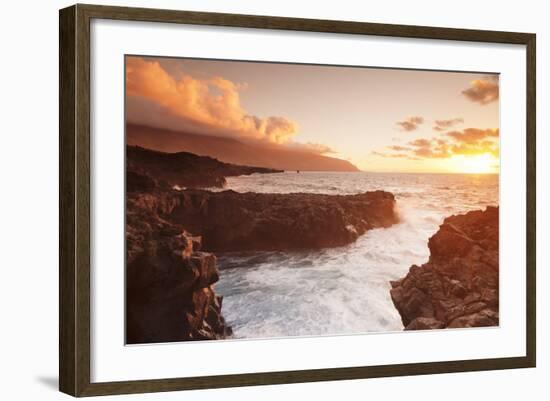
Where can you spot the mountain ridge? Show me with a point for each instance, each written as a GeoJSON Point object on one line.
{"type": "Point", "coordinates": [231, 150]}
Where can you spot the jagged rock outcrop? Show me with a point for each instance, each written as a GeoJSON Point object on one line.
{"type": "Point", "coordinates": [232, 221]}
{"type": "Point", "coordinates": [458, 286]}
{"type": "Point", "coordinates": [169, 292]}
{"type": "Point", "coordinates": [184, 169]}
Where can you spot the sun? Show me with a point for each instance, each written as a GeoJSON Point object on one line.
{"type": "Point", "coordinates": [474, 164]}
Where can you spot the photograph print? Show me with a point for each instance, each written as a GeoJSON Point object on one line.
{"type": "Point", "coordinates": [276, 200]}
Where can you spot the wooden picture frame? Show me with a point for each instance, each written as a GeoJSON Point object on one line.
{"type": "Point", "coordinates": [74, 204]}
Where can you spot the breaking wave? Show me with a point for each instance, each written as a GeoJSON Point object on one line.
{"type": "Point", "coordinates": [341, 290]}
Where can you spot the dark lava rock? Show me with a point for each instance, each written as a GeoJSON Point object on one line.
{"type": "Point", "coordinates": [232, 221]}
{"type": "Point", "coordinates": [169, 282]}
{"type": "Point", "coordinates": [458, 287]}
{"type": "Point", "coordinates": [182, 169]}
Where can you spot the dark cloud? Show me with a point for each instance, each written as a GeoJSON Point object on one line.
{"type": "Point", "coordinates": [442, 125]}
{"type": "Point", "coordinates": [430, 148]}
{"type": "Point", "coordinates": [421, 142]}
{"type": "Point", "coordinates": [411, 123]}
{"type": "Point", "coordinates": [483, 91]}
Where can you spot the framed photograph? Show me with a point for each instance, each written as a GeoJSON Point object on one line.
{"type": "Point", "coordinates": [250, 200]}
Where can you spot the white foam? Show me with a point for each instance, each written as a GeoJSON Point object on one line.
{"type": "Point", "coordinates": [341, 290]}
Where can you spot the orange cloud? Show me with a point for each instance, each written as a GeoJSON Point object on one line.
{"type": "Point", "coordinates": [430, 148]}
{"type": "Point", "coordinates": [473, 135]}
{"type": "Point", "coordinates": [411, 123]}
{"type": "Point", "coordinates": [470, 141]}
{"type": "Point", "coordinates": [477, 149]}
{"type": "Point", "coordinates": [210, 106]}
{"type": "Point", "coordinates": [442, 125]}
{"type": "Point", "coordinates": [421, 142]}
{"type": "Point", "coordinates": [483, 91]}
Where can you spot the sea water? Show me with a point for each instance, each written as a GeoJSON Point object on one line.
{"type": "Point", "coordinates": [343, 290]}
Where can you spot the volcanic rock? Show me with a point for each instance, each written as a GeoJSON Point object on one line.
{"type": "Point", "coordinates": [169, 282]}
{"type": "Point", "coordinates": [458, 286]}
{"type": "Point", "coordinates": [232, 221]}
{"type": "Point", "coordinates": [182, 169]}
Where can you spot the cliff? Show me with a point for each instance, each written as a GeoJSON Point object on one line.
{"type": "Point", "coordinates": [231, 150]}
{"type": "Point", "coordinates": [169, 292]}
{"type": "Point", "coordinates": [184, 169]}
{"type": "Point", "coordinates": [232, 221]}
{"type": "Point", "coordinates": [169, 278]}
{"type": "Point", "coordinates": [458, 286]}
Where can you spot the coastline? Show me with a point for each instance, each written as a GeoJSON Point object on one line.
{"type": "Point", "coordinates": [170, 279]}
{"type": "Point", "coordinates": [219, 220]}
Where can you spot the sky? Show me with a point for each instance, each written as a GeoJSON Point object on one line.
{"type": "Point", "coordinates": [378, 119]}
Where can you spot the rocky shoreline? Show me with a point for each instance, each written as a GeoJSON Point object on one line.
{"type": "Point", "coordinates": [183, 169]}
{"type": "Point", "coordinates": [172, 231]}
{"type": "Point", "coordinates": [169, 281]}
{"type": "Point", "coordinates": [458, 286]}
{"type": "Point", "coordinates": [170, 293]}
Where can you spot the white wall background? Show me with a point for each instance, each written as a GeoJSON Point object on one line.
{"type": "Point", "coordinates": [29, 185]}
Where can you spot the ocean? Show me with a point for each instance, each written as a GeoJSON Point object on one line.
{"type": "Point", "coordinates": [342, 290]}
